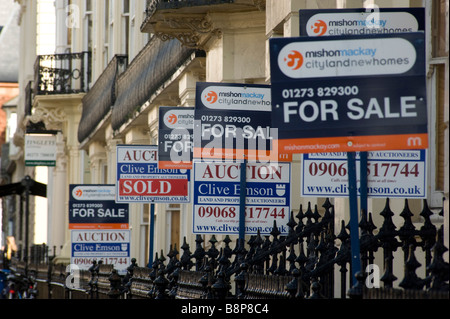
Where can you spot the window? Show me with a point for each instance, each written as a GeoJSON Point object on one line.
{"type": "Point", "coordinates": [88, 34]}
{"type": "Point", "coordinates": [173, 210]}
{"type": "Point", "coordinates": [145, 234]}
{"type": "Point", "coordinates": [108, 32]}
{"type": "Point", "coordinates": [88, 27]}
{"type": "Point", "coordinates": [437, 82]}
{"type": "Point", "coordinates": [125, 26]}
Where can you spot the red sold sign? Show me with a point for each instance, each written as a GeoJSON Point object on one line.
{"type": "Point", "coordinates": [140, 180]}
{"type": "Point", "coordinates": [168, 187]}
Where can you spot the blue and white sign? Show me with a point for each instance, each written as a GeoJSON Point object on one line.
{"type": "Point", "coordinates": [360, 21]}
{"type": "Point", "coordinates": [394, 174]}
{"type": "Point", "coordinates": [94, 207]}
{"type": "Point", "coordinates": [217, 194]}
{"type": "Point", "coordinates": [232, 121]}
{"type": "Point", "coordinates": [349, 93]}
{"type": "Point", "coordinates": [110, 246]}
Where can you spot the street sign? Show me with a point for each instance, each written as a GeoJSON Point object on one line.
{"type": "Point", "coordinates": [175, 134]}
{"type": "Point", "coordinates": [94, 207]}
{"type": "Point", "coordinates": [393, 174]}
{"type": "Point", "coordinates": [217, 193]}
{"type": "Point", "coordinates": [360, 21]}
{"type": "Point", "coordinates": [140, 180]}
{"type": "Point", "coordinates": [110, 246]}
{"type": "Point", "coordinates": [232, 121]}
{"type": "Point", "coordinates": [347, 94]}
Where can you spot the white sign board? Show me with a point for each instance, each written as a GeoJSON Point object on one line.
{"type": "Point", "coordinates": [40, 150]}
{"type": "Point", "coordinates": [140, 180]}
{"type": "Point", "coordinates": [400, 174]}
{"type": "Point", "coordinates": [110, 246]}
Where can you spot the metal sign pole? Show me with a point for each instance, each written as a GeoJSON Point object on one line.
{"type": "Point", "coordinates": [354, 230]}
{"type": "Point", "coordinates": [243, 187]}
{"type": "Point", "coordinates": [363, 181]}
{"type": "Point", "coordinates": [151, 235]}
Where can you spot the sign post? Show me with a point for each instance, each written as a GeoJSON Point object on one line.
{"type": "Point", "coordinates": [243, 188]}
{"type": "Point", "coordinates": [354, 229]}
{"type": "Point", "coordinates": [151, 235]}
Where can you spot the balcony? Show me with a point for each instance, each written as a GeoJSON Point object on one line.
{"type": "Point", "coordinates": [149, 74]}
{"type": "Point", "coordinates": [189, 21]}
{"type": "Point", "coordinates": [98, 102]}
{"type": "Point", "coordinates": [62, 73]}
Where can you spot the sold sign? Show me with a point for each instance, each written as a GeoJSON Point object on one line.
{"type": "Point", "coordinates": [140, 180]}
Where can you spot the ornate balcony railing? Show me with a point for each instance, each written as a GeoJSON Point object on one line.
{"type": "Point", "coordinates": [189, 21]}
{"type": "Point", "coordinates": [101, 97]}
{"type": "Point", "coordinates": [155, 64]}
{"type": "Point", "coordinates": [67, 73]}
{"type": "Point", "coordinates": [153, 5]}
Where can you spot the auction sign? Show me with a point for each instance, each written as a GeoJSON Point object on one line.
{"type": "Point", "coordinates": [140, 180]}
{"type": "Point", "coordinates": [349, 93]}
{"type": "Point", "coordinates": [399, 174]}
{"type": "Point", "coordinates": [360, 21]}
{"type": "Point", "coordinates": [94, 207]}
{"type": "Point", "coordinates": [217, 193]}
{"type": "Point", "coordinates": [232, 121]}
{"type": "Point", "coordinates": [176, 125]}
{"type": "Point", "coordinates": [110, 246]}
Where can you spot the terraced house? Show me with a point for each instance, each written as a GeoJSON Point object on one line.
{"type": "Point", "coordinates": [110, 66]}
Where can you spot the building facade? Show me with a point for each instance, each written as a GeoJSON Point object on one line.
{"type": "Point", "coordinates": [131, 57]}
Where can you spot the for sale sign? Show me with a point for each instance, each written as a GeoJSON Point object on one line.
{"type": "Point", "coordinates": [110, 246]}
{"type": "Point", "coordinates": [140, 180]}
{"type": "Point", "coordinates": [399, 174]}
{"type": "Point", "coordinates": [175, 147]}
{"type": "Point", "coordinates": [360, 21]}
{"type": "Point", "coordinates": [94, 207]}
{"type": "Point", "coordinates": [232, 121]}
{"type": "Point", "coordinates": [217, 194]}
{"type": "Point", "coordinates": [347, 94]}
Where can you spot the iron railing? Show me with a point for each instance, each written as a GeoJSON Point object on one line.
{"type": "Point", "coordinates": [300, 265]}
{"type": "Point", "coordinates": [101, 96]}
{"type": "Point", "coordinates": [67, 73]}
{"type": "Point", "coordinates": [153, 5]}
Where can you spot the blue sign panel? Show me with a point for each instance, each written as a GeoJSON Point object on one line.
{"type": "Point", "coordinates": [352, 93]}
{"type": "Point", "coordinates": [233, 120]}
{"type": "Point", "coordinates": [94, 207]}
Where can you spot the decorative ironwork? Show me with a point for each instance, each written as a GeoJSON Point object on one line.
{"type": "Point", "coordinates": [298, 265]}
{"type": "Point", "coordinates": [101, 97]}
{"type": "Point", "coordinates": [62, 73]}
{"type": "Point", "coordinates": [153, 5]}
{"type": "Point", "coordinates": [150, 69]}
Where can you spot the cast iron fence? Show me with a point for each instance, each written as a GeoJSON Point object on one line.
{"type": "Point", "coordinates": [300, 265]}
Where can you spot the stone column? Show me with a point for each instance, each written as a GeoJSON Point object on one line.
{"type": "Point", "coordinates": [57, 203]}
